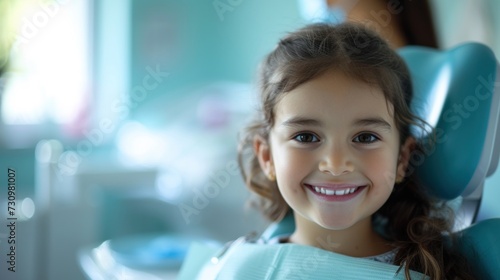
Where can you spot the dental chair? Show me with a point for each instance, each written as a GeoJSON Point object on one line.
{"type": "Point", "coordinates": [458, 93]}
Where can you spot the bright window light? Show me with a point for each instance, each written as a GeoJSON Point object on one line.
{"type": "Point", "coordinates": [49, 73]}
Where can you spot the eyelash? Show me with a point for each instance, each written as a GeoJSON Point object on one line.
{"type": "Point", "coordinates": [373, 138]}
{"type": "Point", "coordinates": [296, 137]}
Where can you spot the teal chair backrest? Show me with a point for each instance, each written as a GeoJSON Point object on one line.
{"type": "Point", "coordinates": [458, 93]}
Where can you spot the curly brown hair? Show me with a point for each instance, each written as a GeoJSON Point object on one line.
{"type": "Point", "coordinates": [421, 236]}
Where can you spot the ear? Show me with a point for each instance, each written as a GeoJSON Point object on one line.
{"type": "Point", "coordinates": [404, 158]}
{"type": "Point", "coordinates": [263, 151]}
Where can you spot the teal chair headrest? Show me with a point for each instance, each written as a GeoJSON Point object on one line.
{"type": "Point", "coordinates": [457, 92]}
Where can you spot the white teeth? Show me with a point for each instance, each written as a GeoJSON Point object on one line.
{"type": "Point", "coordinates": [334, 192]}
{"type": "Point", "coordinates": [339, 192]}
{"type": "Point", "coordinates": [330, 192]}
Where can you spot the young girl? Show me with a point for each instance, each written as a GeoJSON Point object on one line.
{"type": "Point", "coordinates": [331, 145]}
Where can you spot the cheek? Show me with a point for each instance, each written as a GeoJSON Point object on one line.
{"type": "Point", "coordinates": [292, 166]}
{"type": "Point", "coordinates": [382, 168]}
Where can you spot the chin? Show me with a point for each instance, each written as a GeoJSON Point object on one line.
{"type": "Point", "coordinates": [332, 223]}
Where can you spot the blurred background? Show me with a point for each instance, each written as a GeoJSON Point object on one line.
{"type": "Point", "coordinates": [120, 120]}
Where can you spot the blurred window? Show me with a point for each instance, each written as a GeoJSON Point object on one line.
{"type": "Point", "coordinates": [47, 80]}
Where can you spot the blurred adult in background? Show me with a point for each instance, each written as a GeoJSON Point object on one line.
{"type": "Point", "coordinates": [401, 22]}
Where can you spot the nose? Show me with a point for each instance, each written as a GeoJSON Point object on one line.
{"type": "Point", "coordinates": [336, 160]}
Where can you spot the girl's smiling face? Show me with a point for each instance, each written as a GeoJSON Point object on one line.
{"type": "Point", "coordinates": [335, 150]}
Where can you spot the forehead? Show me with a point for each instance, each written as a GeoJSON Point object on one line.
{"type": "Point", "coordinates": [335, 93]}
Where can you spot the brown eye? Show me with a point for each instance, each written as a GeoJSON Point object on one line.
{"type": "Point", "coordinates": [366, 138]}
{"type": "Point", "coordinates": [306, 138]}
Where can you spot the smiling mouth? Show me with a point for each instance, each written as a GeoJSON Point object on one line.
{"type": "Point", "coordinates": [333, 193]}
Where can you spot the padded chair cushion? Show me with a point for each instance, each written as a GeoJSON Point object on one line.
{"type": "Point", "coordinates": [454, 91]}
{"type": "Point", "coordinates": [479, 244]}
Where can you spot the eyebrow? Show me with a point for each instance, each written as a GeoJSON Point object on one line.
{"type": "Point", "coordinates": [302, 121]}
{"type": "Point", "coordinates": [376, 122]}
